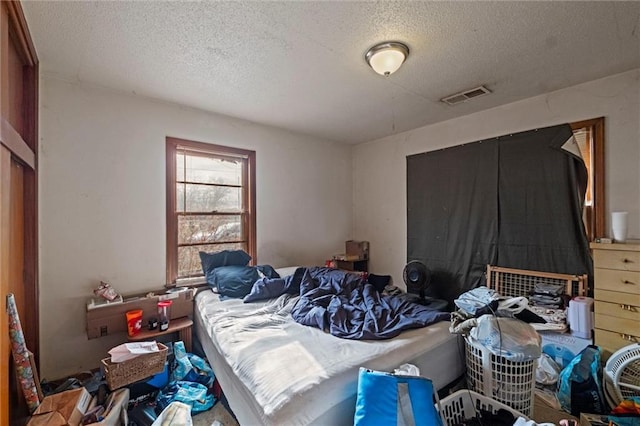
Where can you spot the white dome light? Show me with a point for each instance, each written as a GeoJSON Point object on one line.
{"type": "Point", "coordinates": [385, 58]}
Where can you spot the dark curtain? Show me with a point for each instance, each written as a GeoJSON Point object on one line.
{"type": "Point", "coordinates": [452, 214]}
{"type": "Point", "coordinates": [513, 201]}
{"type": "Point", "coordinates": [541, 191]}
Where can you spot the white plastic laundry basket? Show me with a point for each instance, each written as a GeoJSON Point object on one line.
{"type": "Point", "coordinates": [465, 404]}
{"type": "Point", "coordinates": [509, 382]}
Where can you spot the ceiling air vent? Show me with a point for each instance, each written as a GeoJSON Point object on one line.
{"type": "Point", "coordinates": [466, 95]}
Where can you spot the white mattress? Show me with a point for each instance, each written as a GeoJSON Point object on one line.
{"type": "Point", "coordinates": [275, 371]}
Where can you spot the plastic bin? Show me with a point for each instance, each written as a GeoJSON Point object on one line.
{"type": "Point", "coordinates": [509, 382]}
{"type": "Point", "coordinates": [465, 403]}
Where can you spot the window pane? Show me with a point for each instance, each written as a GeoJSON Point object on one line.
{"type": "Point", "coordinates": [179, 197]}
{"type": "Point", "coordinates": [210, 228]}
{"type": "Point", "coordinates": [209, 169]}
{"type": "Point", "coordinates": [189, 260]}
{"type": "Point", "coordinates": [207, 198]}
{"type": "Point", "coordinates": [180, 167]}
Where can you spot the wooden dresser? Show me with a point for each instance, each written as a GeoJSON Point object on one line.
{"type": "Point", "coordinates": [617, 295]}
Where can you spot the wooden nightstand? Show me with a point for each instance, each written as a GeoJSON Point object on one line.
{"type": "Point", "coordinates": [182, 326]}
{"type": "Point", "coordinates": [353, 265]}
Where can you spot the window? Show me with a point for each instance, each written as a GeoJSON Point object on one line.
{"type": "Point", "coordinates": [210, 204]}
{"type": "Point", "coordinates": [590, 137]}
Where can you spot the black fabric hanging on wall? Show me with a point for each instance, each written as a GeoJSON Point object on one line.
{"type": "Point", "coordinates": [541, 192]}
{"type": "Point", "coordinates": [452, 214]}
{"type": "Point", "coordinates": [513, 201]}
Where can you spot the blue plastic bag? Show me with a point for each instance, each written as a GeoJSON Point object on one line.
{"type": "Point", "coordinates": [579, 386]}
{"type": "Point", "coordinates": [190, 393]}
{"type": "Point", "coordinates": [190, 367]}
{"type": "Point", "coordinates": [393, 399]}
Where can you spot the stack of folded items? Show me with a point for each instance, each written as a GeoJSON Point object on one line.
{"type": "Point", "coordinates": [546, 295]}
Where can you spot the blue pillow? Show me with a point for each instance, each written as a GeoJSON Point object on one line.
{"type": "Point", "coordinates": [266, 288]}
{"type": "Point", "coordinates": [234, 281]}
{"type": "Point", "coordinates": [268, 271]}
{"type": "Point", "coordinates": [210, 261]}
{"type": "Point", "coordinates": [270, 287]}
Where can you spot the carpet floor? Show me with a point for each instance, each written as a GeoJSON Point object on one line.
{"type": "Point", "coordinates": [218, 413]}
{"type": "Point", "coordinates": [543, 412]}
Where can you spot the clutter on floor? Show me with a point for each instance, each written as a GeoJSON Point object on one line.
{"type": "Point", "coordinates": [467, 407]}
{"type": "Point", "coordinates": [176, 413]}
{"type": "Point", "coordinates": [566, 368]}
{"type": "Point", "coordinates": [501, 350]}
{"type": "Point", "coordinates": [119, 394]}
{"type": "Point", "coordinates": [67, 407]}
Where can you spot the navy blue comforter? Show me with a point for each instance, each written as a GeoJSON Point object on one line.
{"type": "Point", "coordinates": [342, 304]}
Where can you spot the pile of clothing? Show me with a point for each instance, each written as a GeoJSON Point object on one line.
{"type": "Point", "coordinates": [480, 301]}
{"type": "Point", "coordinates": [548, 295]}
{"type": "Point", "coordinates": [502, 325]}
{"type": "Point", "coordinates": [544, 309]}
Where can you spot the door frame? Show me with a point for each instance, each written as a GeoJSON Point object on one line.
{"type": "Point", "coordinates": [18, 145]}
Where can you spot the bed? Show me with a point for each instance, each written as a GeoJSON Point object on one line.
{"type": "Point", "coordinates": [275, 371]}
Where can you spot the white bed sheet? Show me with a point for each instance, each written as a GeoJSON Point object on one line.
{"type": "Point", "coordinates": [275, 371]}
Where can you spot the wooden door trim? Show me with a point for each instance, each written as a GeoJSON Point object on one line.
{"type": "Point", "coordinates": [12, 140]}
{"type": "Point", "coordinates": [5, 213]}
{"type": "Point", "coordinates": [20, 31]}
{"type": "Point", "coordinates": [30, 136]}
{"type": "Point", "coordinates": [22, 144]}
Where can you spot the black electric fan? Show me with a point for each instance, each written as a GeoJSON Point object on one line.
{"type": "Point", "coordinates": [417, 277]}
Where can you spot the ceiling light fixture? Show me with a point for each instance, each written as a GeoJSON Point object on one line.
{"type": "Point", "coordinates": [385, 58]}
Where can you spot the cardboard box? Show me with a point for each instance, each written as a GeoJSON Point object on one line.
{"type": "Point", "coordinates": [562, 347]}
{"type": "Point", "coordinates": [110, 319]}
{"type": "Point", "coordinates": [61, 409]}
{"type": "Point", "coordinates": [587, 419]}
{"type": "Point", "coordinates": [357, 248]}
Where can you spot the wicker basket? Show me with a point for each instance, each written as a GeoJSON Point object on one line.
{"type": "Point", "coordinates": [119, 374]}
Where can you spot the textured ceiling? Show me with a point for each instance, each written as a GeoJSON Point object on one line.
{"type": "Point", "coordinates": [300, 65]}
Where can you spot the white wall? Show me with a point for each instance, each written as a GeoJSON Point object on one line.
{"type": "Point", "coordinates": [102, 203]}
{"type": "Point", "coordinates": [379, 179]}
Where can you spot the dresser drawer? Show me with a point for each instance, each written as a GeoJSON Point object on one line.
{"type": "Point", "coordinates": [617, 297]}
{"type": "Point", "coordinates": [617, 259]}
{"type": "Point", "coordinates": [618, 310]}
{"type": "Point", "coordinates": [624, 281]}
{"type": "Point", "coordinates": [610, 341]}
{"type": "Point", "coordinates": [619, 325]}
